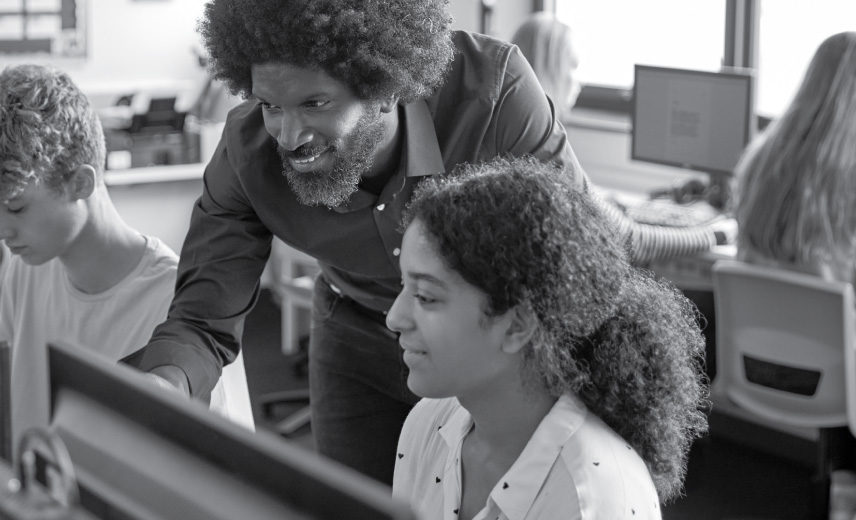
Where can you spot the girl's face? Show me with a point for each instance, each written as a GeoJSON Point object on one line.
{"type": "Point", "coordinates": [450, 345]}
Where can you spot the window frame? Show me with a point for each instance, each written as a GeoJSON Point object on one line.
{"type": "Point", "coordinates": [742, 19]}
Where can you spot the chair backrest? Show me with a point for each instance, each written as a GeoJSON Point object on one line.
{"type": "Point", "coordinates": [781, 338]}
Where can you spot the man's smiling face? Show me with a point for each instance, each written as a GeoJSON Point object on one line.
{"type": "Point", "coordinates": [326, 137]}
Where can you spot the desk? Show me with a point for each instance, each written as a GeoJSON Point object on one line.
{"type": "Point", "coordinates": [688, 272]}
{"type": "Point", "coordinates": [692, 273]}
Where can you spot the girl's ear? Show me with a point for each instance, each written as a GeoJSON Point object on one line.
{"type": "Point", "coordinates": [82, 182]}
{"type": "Point", "coordinates": [523, 325]}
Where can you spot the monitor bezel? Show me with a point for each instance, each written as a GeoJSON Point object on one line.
{"type": "Point", "coordinates": [745, 75]}
{"type": "Point", "coordinates": [290, 472]}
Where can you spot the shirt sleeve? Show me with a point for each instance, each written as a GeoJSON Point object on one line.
{"type": "Point", "coordinates": [647, 242]}
{"type": "Point", "coordinates": [221, 262]}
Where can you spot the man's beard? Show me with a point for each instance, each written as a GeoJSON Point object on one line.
{"type": "Point", "coordinates": [334, 186]}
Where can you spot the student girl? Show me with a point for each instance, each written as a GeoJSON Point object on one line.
{"type": "Point", "coordinates": [557, 380]}
{"type": "Point", "coordinates": [796, 181]}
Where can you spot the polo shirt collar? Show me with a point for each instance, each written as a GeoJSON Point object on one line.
{"type": "Point", "coordinates": [421, 146]}
{"type": "Point", "coordinates": [420, 155]}
{"type": "Point", "coordinates": [517, 490]}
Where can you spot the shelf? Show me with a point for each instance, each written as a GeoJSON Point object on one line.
{"type": "Point", "coordinates": [148, 175]}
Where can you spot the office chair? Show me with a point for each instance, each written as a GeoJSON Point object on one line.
{"type": "Point", "coordinates": [295, 287]}
{"type": "Point", "coordinates": [781, 342]}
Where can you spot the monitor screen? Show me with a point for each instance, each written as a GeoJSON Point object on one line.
{"type": "Point", "coordinates": [139, 452]}
{"type": "Point", "coordinates": [692, 119]}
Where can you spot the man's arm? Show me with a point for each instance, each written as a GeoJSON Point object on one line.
{"type": "Point", "coordinates": [222, 259]}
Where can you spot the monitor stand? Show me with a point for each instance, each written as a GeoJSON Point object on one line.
{"type": "Point", "coordinates": [718, 192]}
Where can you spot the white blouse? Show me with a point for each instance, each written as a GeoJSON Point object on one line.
{"type": "Point", "coordinates": [573, 467]}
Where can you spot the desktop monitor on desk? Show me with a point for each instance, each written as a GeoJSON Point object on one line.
{"type": "Point", "coordinates": [697, 120]}
{"type": "Point", "coordinates": [140, 453]}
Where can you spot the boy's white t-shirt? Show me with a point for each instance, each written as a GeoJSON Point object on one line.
{"type": "Point", "coordinates": [38, 304]}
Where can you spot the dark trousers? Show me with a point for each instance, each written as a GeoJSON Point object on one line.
{"type": "Point", "coordinates": [357, 380]}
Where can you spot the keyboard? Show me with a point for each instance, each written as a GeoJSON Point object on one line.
{"type": "Point", "coordinates": [666, 212]}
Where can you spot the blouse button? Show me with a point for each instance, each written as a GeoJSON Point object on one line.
{"type": "Point", "coordinates": [396, 251]}
{"type": "Point", "coordinates": [380, 208]}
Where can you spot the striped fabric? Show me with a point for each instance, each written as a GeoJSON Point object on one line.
{"type": "Point", "coordinates": [647, 242]}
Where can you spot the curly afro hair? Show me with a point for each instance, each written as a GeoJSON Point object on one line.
{"type": "Point", "coordinates": [377, 47]}
{"type": "Point", "coordinates": [627, 345]}
{"type": "Point", "coordinates": [47, 129]}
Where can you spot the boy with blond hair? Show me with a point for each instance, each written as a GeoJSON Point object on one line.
{"type": "Point", "coordinates": [75, 271]}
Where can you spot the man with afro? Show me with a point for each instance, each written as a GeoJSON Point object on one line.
{"type": "Point", "coordinates": [349, 104]}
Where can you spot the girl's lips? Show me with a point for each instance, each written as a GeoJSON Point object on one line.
{"type": "Point", "coordinates": [413, 356]}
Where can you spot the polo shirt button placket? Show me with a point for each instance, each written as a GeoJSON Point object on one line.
{"type": "Point", "coordinates": [396, 251]}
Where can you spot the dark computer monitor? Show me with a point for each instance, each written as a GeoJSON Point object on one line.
{"type": "Point", "coordinates": [698, 120]}
{"type": "Point", "coordinates": [139, 452]}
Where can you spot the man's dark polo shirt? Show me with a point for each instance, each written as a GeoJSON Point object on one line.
{"type": "Point", "coordinates": [490, 104]}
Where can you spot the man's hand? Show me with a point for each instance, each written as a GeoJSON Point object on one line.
{"type": "Point", "coordinates": [169, 377]}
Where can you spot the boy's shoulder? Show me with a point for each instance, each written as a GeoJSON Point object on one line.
{"type": "Point", "coordinates": [160, 253]}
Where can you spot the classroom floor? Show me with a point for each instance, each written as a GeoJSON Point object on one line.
{"type": "Point", "coordinates": [725, 480]}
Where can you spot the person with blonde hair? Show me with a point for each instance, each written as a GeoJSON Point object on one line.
{"type": "Point", "coordinates": [74, 270]}
{"type": "Point", "coordinates": [548, 45]}
{"type": "Point", "coordinates": [796, 182]}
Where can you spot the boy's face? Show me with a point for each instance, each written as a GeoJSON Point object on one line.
{"type": "Point", "coordinates": [40, 224]}
{"type": "Point", "coordinates": [451, 347]}
{"type": "Point", "coordinates": [327, 138]}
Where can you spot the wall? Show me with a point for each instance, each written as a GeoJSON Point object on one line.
{"type": "Point", "coordinates": [507, 14]}
{"type": "Point", "coordinates": [148, 44]}
{"type": "Point", "coordinates": [160, 209]}
{"type": "Point", "coordinates": [134, 44]}
{"type": "Point", "coordinates": [603, 149]}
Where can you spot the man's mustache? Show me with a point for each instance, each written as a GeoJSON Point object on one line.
{"type": "Point", "coordinates": [305, 150]}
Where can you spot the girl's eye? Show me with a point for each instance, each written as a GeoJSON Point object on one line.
{"type": "Point", "coordinates": [267, 106]}
{"type": "Point", "coordinates": [15, 211]}
{"type": "Point", "coordinates": [424, 300]}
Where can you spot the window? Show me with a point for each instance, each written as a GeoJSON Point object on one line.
{"type": "Point", "coordinates": [42, 26]}
{"type": "Point", "coordinates": [789, 33]}
{"type": "Point", "coordinates": [613, 35]}
{"type": "Point", "coordinates": [776, 37]}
